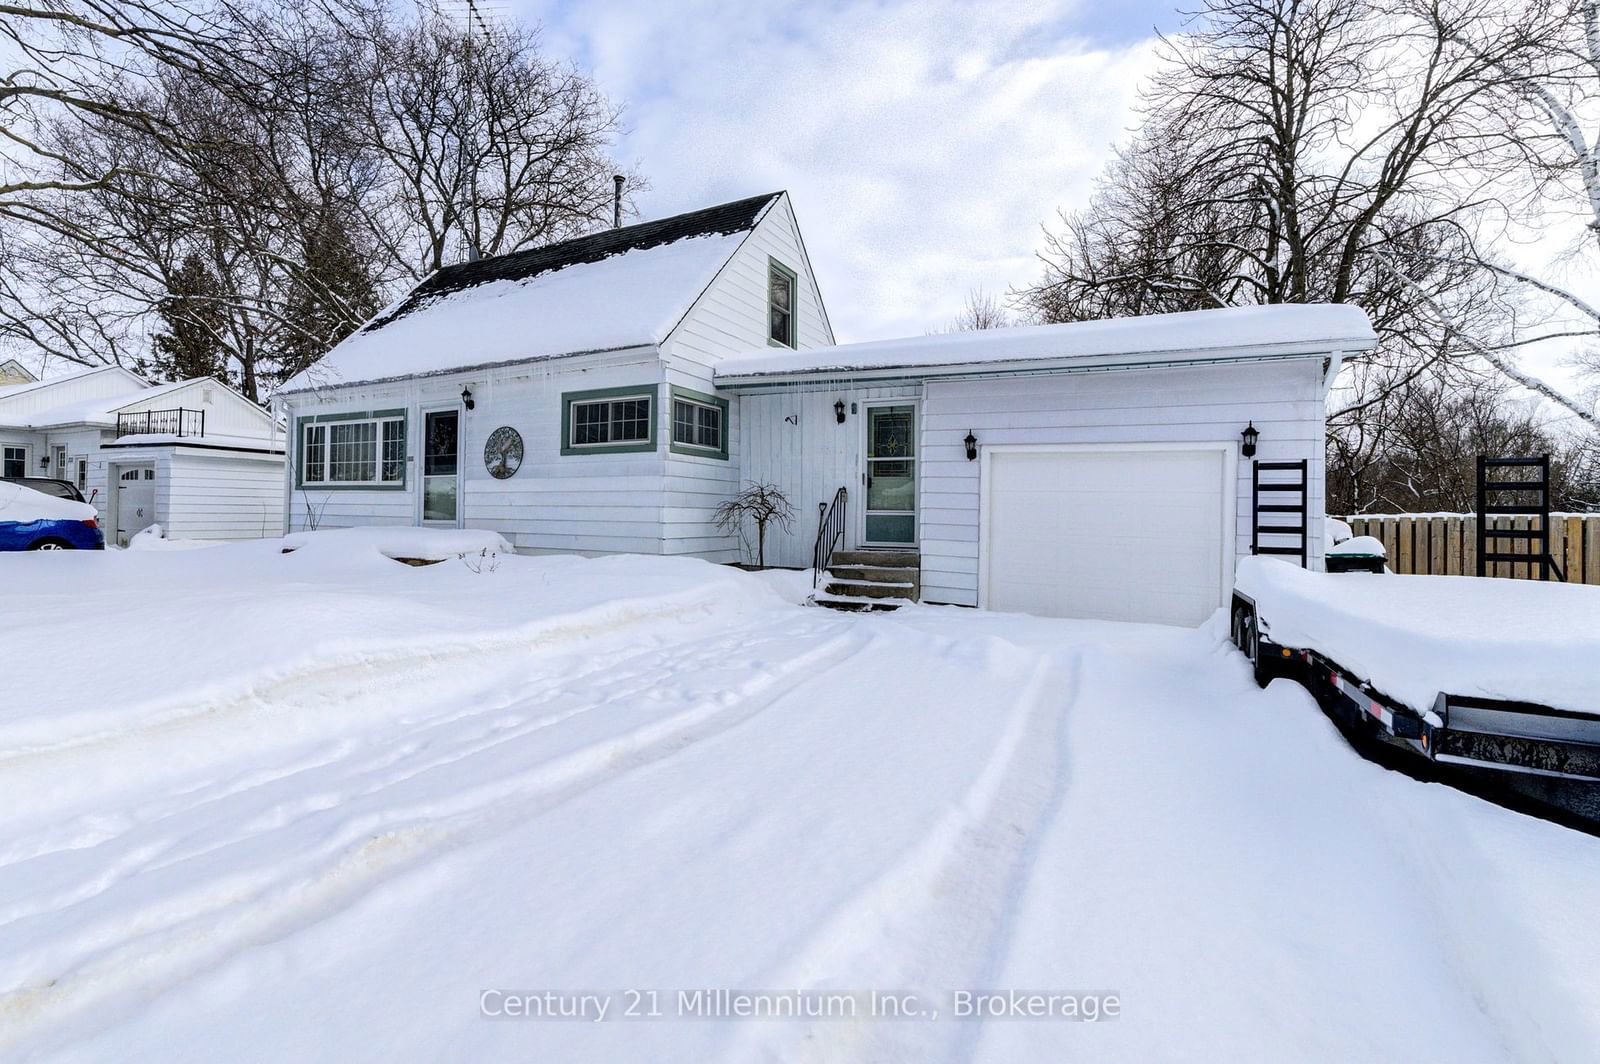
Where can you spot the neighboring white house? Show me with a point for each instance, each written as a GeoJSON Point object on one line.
{"type": "Point", "coordinates": [194, 456]}
{"type": "Point", "coordinates": [607, 393]}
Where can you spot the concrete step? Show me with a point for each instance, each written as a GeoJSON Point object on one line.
{"type": "Point", "coordinates": [850, 604]}
{"type": "Point", "coordinates": [882, 559]}
{"type": "Point", "coordinates": [871, 574]}
{"type": "Point", "coordinates": [862, 589]}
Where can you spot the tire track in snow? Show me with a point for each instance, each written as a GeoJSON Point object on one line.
{"type": "Point", "coordinates": [348, 697]}
{"type": "Point", "coordinates": [938, 917]}
{"type": "Point", "coordinates": [375, 664]}
{"type": "Point", "coordinates": [140, 953]}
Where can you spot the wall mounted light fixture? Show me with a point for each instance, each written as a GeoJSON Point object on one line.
{"type": "Point", "coordinates": [1249, 435]}
{"type": "Point", "coordinates": [466, 398]}
{"type": "Point", "coordinates": [838, 411]}
{"type": "Point", "coordinates": [972, 446]}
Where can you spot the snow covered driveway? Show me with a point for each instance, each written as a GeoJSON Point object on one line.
{"type": "Point", "coordinates": [323, 806]}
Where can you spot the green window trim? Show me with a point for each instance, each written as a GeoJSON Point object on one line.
{"type": "Point", "coordinates": [704, 400]}
{"type": "Point", "coordinates": [650, 392]}
{"type": "Point", "coordinates": [380, 416]}
{"type": "Point", "coordinates": [776, 267]}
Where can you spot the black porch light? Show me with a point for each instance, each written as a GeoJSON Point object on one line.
{"type": "Point", "coordinates": [1249, 435]}
{"type": "Point", "coordinates": [838, 411]}
{"type": "Point", "coordinates": [972, 446]}
{"type": "Point", "coordinates": [466, 398]}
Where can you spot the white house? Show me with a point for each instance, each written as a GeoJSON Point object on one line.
{"type": "Point", "coordinates": [607, 393]}
{"type": "Point", "coordinates": [195, 456]}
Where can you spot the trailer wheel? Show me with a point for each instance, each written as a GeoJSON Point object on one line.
{"type": "Point", "coordinates": [1247, 638]}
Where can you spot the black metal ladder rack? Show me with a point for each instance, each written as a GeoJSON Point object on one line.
{"type": "Point", "coordinates": [1258, 509]}
{"type": "Point", "coordinates": [1538, 539]}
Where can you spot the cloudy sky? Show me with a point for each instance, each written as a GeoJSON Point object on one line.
{"type": "Point", "coordinates": [924, 143]}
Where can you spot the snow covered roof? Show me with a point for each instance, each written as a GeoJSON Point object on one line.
{"type": "Point", "coordinates": [100, 411]}
{"type": "Point", "coordinates": [625, 287]}
{"type": "Point", "coordinates": [1201, 335]}
{"type": "Point", "coordinates": [25, 387]}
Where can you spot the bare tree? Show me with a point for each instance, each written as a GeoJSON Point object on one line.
{"type": "Point", "coordinates": [1295, 150]}
{"type": "Point", "coordinates": [486, 144]}
{"type": "Point", "coordinates": [760, 504]}
{"type": "Point", "coordinates": [367, 148]}
{"type": "Point", "coordinates": [982, 311]}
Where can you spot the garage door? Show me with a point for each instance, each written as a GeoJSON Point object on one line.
{"type": "Point", "coordinates": [136, 501]}
{"type": "Point", "coordinates": [1123, 535]}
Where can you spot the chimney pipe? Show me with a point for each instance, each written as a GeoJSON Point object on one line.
{"type": "Point", "coordinates": [616, 202]}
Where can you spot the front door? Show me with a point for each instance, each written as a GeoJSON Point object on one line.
{"type": "Point", "coordinates": [441, 466]}
{"type": "Point", "coordinates": [891, 510]}
{"type": "Point", "coordinates": [136, 501]}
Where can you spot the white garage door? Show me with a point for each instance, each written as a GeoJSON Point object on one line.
{"type": "Point", "coordinates": [1122, 535]}
{"type": "Point", "coordinates": [136, 501]}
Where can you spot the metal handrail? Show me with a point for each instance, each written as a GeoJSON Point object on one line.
{"type": "Point", "coordinates": [830, 530]}
{"type": "Point", "coordinates": [177, 421]}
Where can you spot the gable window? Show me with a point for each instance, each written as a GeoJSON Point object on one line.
{"type": "Point", "coordinates": [355, 450]}
{"type": "Point", "coordinates": [15, 462]}
{"type": "Point", "coordinates": [608, 420]}
{"type": "Point", "coordinates": [699, 424]}
{"type": "Point", "coordinates": [780, 304]}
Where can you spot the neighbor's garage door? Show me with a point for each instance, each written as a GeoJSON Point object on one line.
{"type": "Point", "coordinates": [1125, 535]}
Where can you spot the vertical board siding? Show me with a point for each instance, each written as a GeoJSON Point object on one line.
{"type": "Point", "coordinates": [1447, 544]}
{"type": "Point", "coordinates": [1202, 404]}
{"type": "Point", "coordinates": [791, 437]}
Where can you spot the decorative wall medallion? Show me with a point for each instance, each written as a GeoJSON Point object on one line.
{"type": "Point", "coordinates": [502, 453]}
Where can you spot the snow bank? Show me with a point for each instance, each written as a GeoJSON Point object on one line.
{"type": "Point", "coordinates": [247, 616]}
{"type": "Point", "coordinates": [1319, 327]}
{"type": "Point", "coordinates": [154, 538]}
{"type": "Point", "coordinates": [627, 300]}
{"type": "Point", "coordinates": [24, 505]}
{"type": "Point", "coordinates": [1415, 636]}
{"type": "Point", "coordinates": [424, 544]}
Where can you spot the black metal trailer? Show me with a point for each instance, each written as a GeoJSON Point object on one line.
{"type": "Point", "coordinates": [1496, 735]}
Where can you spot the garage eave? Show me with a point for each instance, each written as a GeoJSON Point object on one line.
{"type": "Point", "coordinates": [1142, 360]}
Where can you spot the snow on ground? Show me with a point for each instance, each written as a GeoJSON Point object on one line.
{"type": "Point", "coordinates": [153, 537]}
{"type": "Point", "coordinates": [423, 544]}
{"type": "Point", "coordinates": [1414, 636]}
{"type": "Point", "coordinates": [313, 806]}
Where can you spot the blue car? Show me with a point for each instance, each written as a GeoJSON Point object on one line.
{"type": "Point", "coordinates": [32, 520]}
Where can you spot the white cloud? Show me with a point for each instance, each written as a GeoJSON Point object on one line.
{"type": "Point", "coordinates": [923, 143]}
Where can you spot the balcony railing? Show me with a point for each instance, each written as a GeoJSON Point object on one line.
{"type": "Point", "coordinates": [179, 422]}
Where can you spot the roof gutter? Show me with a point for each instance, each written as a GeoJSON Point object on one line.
{"type": "Point", "coordinates": [455, 370]}
{"type": "Point", "coordinates": [1016, 368]}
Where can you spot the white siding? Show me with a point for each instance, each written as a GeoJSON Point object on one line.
{"type": "Point", "coordinates": [597, 503]}
{"type": "Point", "coordinates": [809, 457]}
{"type": "Point", "coordinates": [217, 495]}
{"type": "Point", "coordinates": [1199, 404]}
{"type": "Point", "coordinates": [83, 443]}
{"type": "Point", "coordinates": [226, 412]}
{"type": "Point", "coordinates": [729, 318]}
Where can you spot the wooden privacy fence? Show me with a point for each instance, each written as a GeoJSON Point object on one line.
{"type": "Point", "coordinates": [1447, 544]}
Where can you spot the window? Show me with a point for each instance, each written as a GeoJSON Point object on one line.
{"type": "Point", "coordinates": [363, 450]}
{"type": "Point", "coordinates": [15, 462]}
{"type": "Point", "coordinates": [699, 424]}
{"type": "Point", "coordinates": [609, 420]}
{"type": "Point", "coordinates": [780, 304]}
{"type": "Point", "coordinates": [83, 474]}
